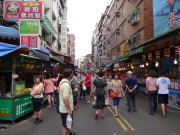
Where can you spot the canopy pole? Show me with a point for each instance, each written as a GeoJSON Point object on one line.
{"type": "Point", "coordinates": [13, 73]}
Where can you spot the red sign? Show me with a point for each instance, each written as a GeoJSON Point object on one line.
{"type": "Point", "coordinates": [23, 10]}
{"type": "Point", "coordinates": [30, 41]}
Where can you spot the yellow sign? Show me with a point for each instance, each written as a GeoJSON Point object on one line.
{"type": "Point", "coordinates": [123, 49]}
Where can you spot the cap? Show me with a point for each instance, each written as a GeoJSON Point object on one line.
{"type": "Point", "coordinates": [129, 72]}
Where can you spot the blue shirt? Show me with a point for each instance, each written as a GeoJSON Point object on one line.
{"type": "Point", "coordinates": [131, 82]}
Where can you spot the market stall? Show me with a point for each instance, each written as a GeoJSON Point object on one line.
{"type": "Point", "coordinates": [17, 72]}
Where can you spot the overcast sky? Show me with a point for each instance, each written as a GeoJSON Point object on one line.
{"type": "Point", "coordinates": [82, 18]}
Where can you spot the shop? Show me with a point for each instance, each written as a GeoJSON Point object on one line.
{"type": "Point", "coordinates": [17, 72]}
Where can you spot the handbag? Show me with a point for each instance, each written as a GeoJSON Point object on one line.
{"type": "Point", "coordinates": [113, 94]}
{"type": "Point", "coordinates": [84, 87]}
{"type": "Point", "coordinates": [107, 101]}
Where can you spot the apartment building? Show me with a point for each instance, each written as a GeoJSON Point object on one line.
{"type": "Point", "coordinates": [126, 24]}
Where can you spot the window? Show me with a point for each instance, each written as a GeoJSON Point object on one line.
{"type": "Point", "coordinates": [134, 17]}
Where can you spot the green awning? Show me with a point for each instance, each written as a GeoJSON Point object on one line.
{"type": "Point", "coordinates": [136, 51]}
{"type": "Point", "coordinates": [49, 27]}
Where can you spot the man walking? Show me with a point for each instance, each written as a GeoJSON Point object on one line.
{"type": "Point", "coordinates": [66, 100]}
{"type": "Point", "coordinates": [131, 85]}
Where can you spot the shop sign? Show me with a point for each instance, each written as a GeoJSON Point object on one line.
{"type": "Point", "coordinates": [22, 106]}
{"type": "Point", "coordinates": [123, 49]}
{"type": "Point", "coordinates": [116, 65]}
{"type": "Point", "coordinates": [29, 27]}
{"type": "Point", "coordinates": [23, 10]}
{"type": "Point", "coordinates": [177, 50]}
{"type": "Point", "coordinates": [31, 41]}
{"type": "Point", "coordinates": [167, 53]}
{"type": "Point", "coordinates": [165, 12]}
{"type": "Point", "coordinates": [144, 57]}
{"type": "Point", "coordinates": [157, 55]}
{"type": "Point", "coordinates": [150, 56]}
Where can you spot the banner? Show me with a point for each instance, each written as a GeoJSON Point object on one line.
{"type": "Point", "coordinates": [29, 27]}
{"type": "Point", "coordinates": [32, 41]}
{"type": "Point", "coordinates": [23, 10]}
{"type": "Point", "coordinates": [166, 14]}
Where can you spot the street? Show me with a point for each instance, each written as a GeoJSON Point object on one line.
{"type": "Point", "coordinates": [134, 123]}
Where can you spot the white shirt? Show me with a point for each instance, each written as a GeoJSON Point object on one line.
{"type": "Point", "coordinates": [163, 83]}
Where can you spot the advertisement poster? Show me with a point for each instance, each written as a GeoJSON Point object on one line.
{"type": "Point", "coordinates": [29, 27]}
{"type": "Point", "coordinates": [174, 98]}
{"type": "Point", "coordinates": [23, 10]}
{"type": "Point", "coordinates": [166, 15]}
{"type": "Point", "coordinates": [32, 41]}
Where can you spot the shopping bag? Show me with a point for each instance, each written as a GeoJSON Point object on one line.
{"type": "Point", "coordinates": [107, 101]}
{"type": "Point", "coordinates": [84, 87]}
{"type": "Point", "coordinates": [113, 94]}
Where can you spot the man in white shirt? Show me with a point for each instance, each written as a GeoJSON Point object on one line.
{"type": "Point", "coordinates": [66, 100]}
{"type": "Point", "coordinates": [163, 84]}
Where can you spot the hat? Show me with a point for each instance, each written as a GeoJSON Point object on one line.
{"type": "Point", "coordinates": [129, 72]}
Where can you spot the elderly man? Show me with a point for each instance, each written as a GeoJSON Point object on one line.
{"type": "Point", "coordinates": [131, 86]}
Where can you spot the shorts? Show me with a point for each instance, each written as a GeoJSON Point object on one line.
{"type": "Point", "coordinates": [116, 101]}
{"type": "Point", "coordinates": [163, 98]}
{"type": "Point", "coordinates": [51, 94]}
{"type": "Point", "coordinates": [64, 119]}
{"type": "Point", "coordinates": [88, 91]}
{"type": "Point", "coordinates": [37, 103]}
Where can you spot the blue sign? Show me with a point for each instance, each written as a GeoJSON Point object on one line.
{"type": "Point", "coordinates": [166, 14]}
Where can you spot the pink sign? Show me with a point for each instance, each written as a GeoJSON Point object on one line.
{"type": "Point", "coordinates": [23, 10]}
{"type": "Point", "coordinates": [30, 41]}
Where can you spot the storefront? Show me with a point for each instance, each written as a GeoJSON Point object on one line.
{"type": "Point", "coordinates": [17, 72]}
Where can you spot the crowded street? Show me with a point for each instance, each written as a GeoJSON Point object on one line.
{"type": "Point", "coordinates": [89, 67]}
{"type": "Point", "coordinates": [136, 123]}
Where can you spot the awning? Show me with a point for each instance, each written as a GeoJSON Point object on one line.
{"type": "Point", "coordinates": [59, 59]}
{"type": "Point", "coordinates": [9, 32]}
{"type": "Point", "coordinates": [9, 48]}
{"type": "Point", "coordinates": [49, 27]}
{"type": "Point", "coordinates": [41, 53]}
{"type": "Point", "coordinates": [108, 64]}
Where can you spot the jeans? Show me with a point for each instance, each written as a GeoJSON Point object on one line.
{"type": "Point", "coordinates": [75, 96]}
{"type": "Point", "coordinates": [152, 101]}
{"type": "Point", "coordinates": [57, 100]}
{"type": "Point", "coordinates": [131, 101]}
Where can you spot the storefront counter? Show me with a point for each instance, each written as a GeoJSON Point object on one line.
{"type": "Point", "coordinates": [15, 107]}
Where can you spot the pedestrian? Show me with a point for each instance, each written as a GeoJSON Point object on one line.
{"type": "Point", "coordinates": [74, 86]}
{"type": "Point", "coordinates": [163, 84]}
{"type": "Point", "coordinates": [49, 89]}
{"type": "Point", "coordinates": [66, 101]}
{"type": "Point", "coordinates": [117, 88]}
{"type": "Point", "coordinates": [88, 86]}
{"type": "Point", "coordinates": [56, 93]}
{"type": "Point", "coordinates": [37, 98]}
{"type": "Point", "coordinates": [131, 87]}
{"type": "Point", "coordinates": [100, 92]}
{"type": "Point", "coordinates": [152, 90]}
{"type": "Point", "coordinates": [109, 83]}
{"type": "Point", "coordinates": [82, 87]}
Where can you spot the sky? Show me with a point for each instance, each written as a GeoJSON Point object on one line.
{"type": "Point", "coordinates": [82, 18]}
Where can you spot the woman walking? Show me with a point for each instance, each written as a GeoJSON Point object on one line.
{"type": "Point", "coordinates": [118, 91]}
{"type": "Point", "coordinates": [100, 92]}
{"type": "Point", "coordinates": [163, 91]}
{"type": "Point", "coordinates": [37, 94]}
{"type": "Point", "coordinates": [152, 90]}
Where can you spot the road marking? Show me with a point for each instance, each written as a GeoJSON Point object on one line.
{"type": "Point", "coordinates": [118, 120]}
{"type": "Point", "coordinates": [127, 123]}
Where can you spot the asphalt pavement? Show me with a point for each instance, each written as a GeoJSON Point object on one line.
{"type": "Point", "coordinates": [133, 123]}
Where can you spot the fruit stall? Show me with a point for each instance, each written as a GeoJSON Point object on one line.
{"type": "Point", "coordinates": [17, 73]}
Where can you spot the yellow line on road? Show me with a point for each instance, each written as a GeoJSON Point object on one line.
{"type": "Point", "coordinates": [125, 121]}
{"type": "Point", "coordinates": [118, 120]}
